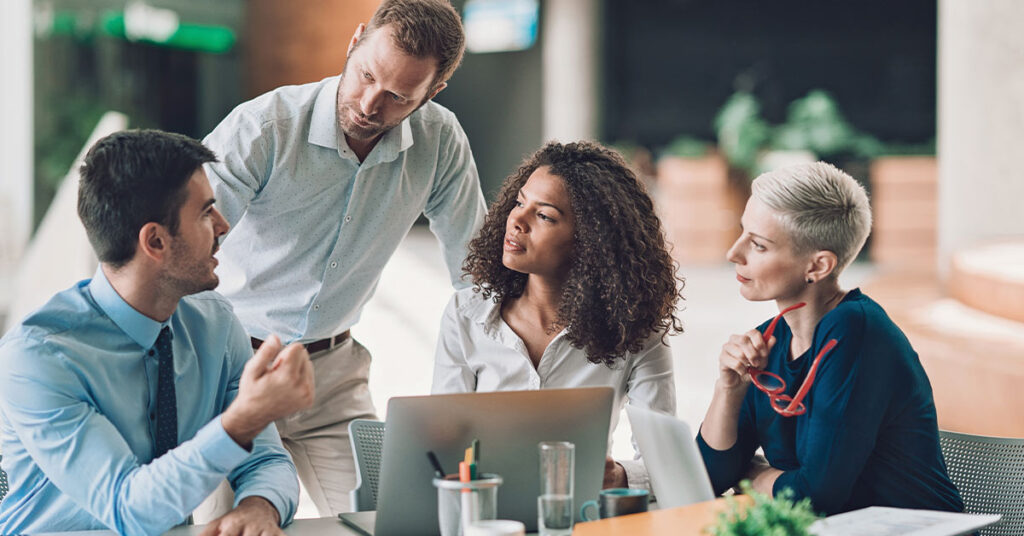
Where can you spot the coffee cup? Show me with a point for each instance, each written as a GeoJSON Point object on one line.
{"type": "Point", "coordinates": [614, 502]}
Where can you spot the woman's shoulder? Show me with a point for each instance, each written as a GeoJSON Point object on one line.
{"type": "Point", "coordinates": [470, 303]}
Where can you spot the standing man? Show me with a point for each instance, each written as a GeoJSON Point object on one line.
{"type": "Point", "coordinates": [322, 181]}
{"type": "Point", "coordinates": [127, 398]}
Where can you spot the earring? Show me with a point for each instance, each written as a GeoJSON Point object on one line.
{"type": "Point", "coordinates": [809, 281]}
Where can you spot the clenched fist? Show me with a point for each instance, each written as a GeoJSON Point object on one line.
{"type": "Point", "coordinates": [276, 382]}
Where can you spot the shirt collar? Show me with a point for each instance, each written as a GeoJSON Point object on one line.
{"type": "Point", "coordinates": [323, 124]}
{"type": "Point", "coordinates": [139, 327]}
{"type": "Point", "coordinates": [323, 127]}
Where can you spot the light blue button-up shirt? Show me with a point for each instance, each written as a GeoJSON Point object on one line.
{"type": "Point", "coordinates": [312, 227]}
{"type": "Point", "coordinates": [77, 397]}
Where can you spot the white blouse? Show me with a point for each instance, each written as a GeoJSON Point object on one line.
{"type": "Point", "coordinates": [478, 351]}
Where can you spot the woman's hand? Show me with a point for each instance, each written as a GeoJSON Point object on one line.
{"type": "Point", "coordinates": [741, 351]}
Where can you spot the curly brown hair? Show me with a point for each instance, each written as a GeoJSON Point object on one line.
{"type": "Point", "coordinates": [622, 283]}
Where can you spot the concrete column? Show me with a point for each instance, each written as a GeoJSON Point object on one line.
{"type": "Point", "coordinates": [15, 139]}
{"type": "Point", "coordinates": [570, 37]}
{"type": "Point", "coordinates": [981, 122]}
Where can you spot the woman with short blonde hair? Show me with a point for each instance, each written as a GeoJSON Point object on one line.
{"type": "Point", "coordinates": [830, 389]}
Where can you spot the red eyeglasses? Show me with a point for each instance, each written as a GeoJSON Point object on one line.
{"type": "Point", "coordinates": [774, 386]}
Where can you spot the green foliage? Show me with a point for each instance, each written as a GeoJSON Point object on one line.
{"type": "Point", "coordinates": [742, 132]}
{"type": "Point", "coordinates": [686, 147]}
{"type": "Point", "coordinates": [768, 516]}
{"type": "Point", "coordinates": [815, 124]}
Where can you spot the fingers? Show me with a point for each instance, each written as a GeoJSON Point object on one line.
{"type": "Point", "coordinates": [290, 357]}
{"type": "Point", "coordinates": [265, 355]}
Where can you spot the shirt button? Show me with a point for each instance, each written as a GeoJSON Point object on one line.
{"type": "Point", "coordinates": [152, 416]}
{"type": "Point", "coordinates": [334, 264]}
{"type": "Point", "coordinates": [151, 352]}
{"type": "Point", "coordinates": [316, 307]}
{"type": "Point", "coordinates": [348, 218]}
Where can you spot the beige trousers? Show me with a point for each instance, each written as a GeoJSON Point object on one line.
{"type": "Point", "coordinates": [317, 438]}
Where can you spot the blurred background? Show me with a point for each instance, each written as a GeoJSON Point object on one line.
{"type": "Point", "coordinates": [921, 100]}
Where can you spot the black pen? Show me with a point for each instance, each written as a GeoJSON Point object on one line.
{"type": "Point", "coordinates": [438, 471]}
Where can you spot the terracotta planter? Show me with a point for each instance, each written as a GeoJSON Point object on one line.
{"type": "Point", "coordinates": [904, 199]}
{"type": "Point", "coordinates": [700, 207]}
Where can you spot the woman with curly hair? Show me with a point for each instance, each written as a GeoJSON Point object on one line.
{"type": "Point", "coordinates": [572, 287]}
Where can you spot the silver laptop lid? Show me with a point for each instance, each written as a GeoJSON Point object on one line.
{"type": "Point", "coordinates": [676, 469]}
{"type": "Point", "coordinates": [509, 425]}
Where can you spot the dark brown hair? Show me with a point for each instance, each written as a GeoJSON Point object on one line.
{"type": "Point", "coordinates": [424, 29]}
{"type": "Point", "coordinates": [622, 285]}
{"type": "Point", "coordinates": [131, 178]}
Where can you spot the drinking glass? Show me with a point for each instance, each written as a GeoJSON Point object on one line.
{"type": "Point", "coordinates": [555, 506]}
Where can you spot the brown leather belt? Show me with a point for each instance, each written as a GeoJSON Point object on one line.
{"type": "Point", "coordinates": [315, 346]}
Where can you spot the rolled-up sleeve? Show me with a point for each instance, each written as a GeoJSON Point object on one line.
{"type": "Point", "coordinates": [456, 207]}
{"type": "Point", "coordinates": [242, 145]}
{"type": "Point", "coordinates": [452, 373]}
{"type": "Point", "coordinates": [727, 467]}
{"type": "Point", "coordinates": [650, 385]}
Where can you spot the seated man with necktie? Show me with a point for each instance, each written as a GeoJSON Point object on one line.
{"type": "Point", "coordinates": [126, 399]}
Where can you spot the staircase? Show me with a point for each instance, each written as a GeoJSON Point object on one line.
{"type": "Point", "coordinates": [969, 334]}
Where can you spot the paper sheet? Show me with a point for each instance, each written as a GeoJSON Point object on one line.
{"type": "Point", "coordinates": [884, 521]}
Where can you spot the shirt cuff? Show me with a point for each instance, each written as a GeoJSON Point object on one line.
{"type": "Point", "coordinates": [217, 447]}
{"type": "Point", "coordinates": [636, 474]}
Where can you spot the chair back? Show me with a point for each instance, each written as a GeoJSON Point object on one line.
{"type": "Point", "coordinates": [367, 443]}
{"type": "Point", "coordinates": [989, 472]}
{"type": "Point", "coordinates": [3, 483]}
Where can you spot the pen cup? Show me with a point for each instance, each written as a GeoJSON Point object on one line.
{"type": "Point", "coordinates": [460, 504]}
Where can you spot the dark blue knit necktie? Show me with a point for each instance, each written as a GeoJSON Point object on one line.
{"type": "Point", "coordinates": [166, 401]}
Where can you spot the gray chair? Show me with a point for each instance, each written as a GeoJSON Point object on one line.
{"type": "Point", "coordinates": [3, 483]}
{"type": "Point", "coordinates": [367, 443]}
{"type": "Point", "coordinates": [989, 472]}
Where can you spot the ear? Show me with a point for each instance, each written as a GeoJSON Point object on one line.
{"type": "Point", "coordinates": [355, 38]}
{"type": "Point", "coordinates": [154, 242]}
{"type": "Point", "coordinates": [436, 91]}
{"type": "Point", "coordinates": [823, 264]}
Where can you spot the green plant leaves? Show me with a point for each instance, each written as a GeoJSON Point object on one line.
{"type": "Point", "coordinates": [779, 516]}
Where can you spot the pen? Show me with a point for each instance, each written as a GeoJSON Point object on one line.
{"type": "Point", "coordinates": [438, 471]}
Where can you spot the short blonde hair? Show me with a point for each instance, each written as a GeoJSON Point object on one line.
{"type": "Point", "coordinates": [822, 207]}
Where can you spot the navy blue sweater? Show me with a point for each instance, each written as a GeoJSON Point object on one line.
{"type": "Point", "coordinates": [869, 436]}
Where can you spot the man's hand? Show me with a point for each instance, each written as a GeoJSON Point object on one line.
{"type": "Point", "coordinates": [614, 475]}
{"type": "Point", "coordinates": [254, 516]}
{"type": "Point", "coordinates": [274, 384]}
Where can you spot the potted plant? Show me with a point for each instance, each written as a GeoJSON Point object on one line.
{"type": "Point", "coordinates": [698, 204]}
{"type": "Point", "coordinates": [904, 200]}
{"type": "Point", "coordinates": [767, 516]}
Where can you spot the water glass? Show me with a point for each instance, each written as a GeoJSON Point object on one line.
{"type": "Point", "coordinates": [555, 506]}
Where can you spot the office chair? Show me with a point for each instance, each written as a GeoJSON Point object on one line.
{"type": "Point", "coordinates": [989, 472]}
{"type": "Point", "coordinates": [3, 483]}
{"type": "Point", "coordinates": [367, 443]}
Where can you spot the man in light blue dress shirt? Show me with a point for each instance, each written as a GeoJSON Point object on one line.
{"type": "Point", "coordinates": [127, 398]}
{"type": "Point", "coordinates": [322, 182]}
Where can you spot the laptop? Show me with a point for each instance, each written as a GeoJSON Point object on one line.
{"type": "Point", "coordinates": [674, 464]}
{"type": "Point", "coordinates": [509, 425]}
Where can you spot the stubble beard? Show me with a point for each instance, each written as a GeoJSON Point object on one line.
{"type": "Point", "coordinates": [190, 276]}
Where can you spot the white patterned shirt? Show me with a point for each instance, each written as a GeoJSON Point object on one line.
{"type": "Point", "coordinates": [312, 227]}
